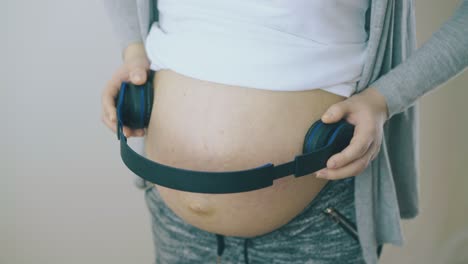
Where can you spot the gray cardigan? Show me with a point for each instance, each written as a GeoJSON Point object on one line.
{"type": "Point", "coordinates": [388, 189]}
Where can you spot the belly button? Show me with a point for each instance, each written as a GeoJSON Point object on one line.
{"type": "Point", "coordinates": [201, 210]}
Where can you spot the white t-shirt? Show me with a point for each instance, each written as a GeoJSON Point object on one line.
{"type": "Point", "coordinates": [285, 45]}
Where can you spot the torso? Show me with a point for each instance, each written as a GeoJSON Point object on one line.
{"type": "Point", "coordinates": [201, 125]}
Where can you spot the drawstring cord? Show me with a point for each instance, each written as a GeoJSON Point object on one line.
{"type": "Point", "coordinates": [220, 240]}
{"type": "Point", "coordinates": [246, 256]}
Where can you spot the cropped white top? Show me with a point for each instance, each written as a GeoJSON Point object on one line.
{"type": "Point", "coordinates": [285, 45]}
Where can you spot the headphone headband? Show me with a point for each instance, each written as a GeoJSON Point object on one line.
{"type": "Point", "coordinates": [134, 105]}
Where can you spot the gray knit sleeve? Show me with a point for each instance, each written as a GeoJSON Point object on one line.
{"type": "Point", "coordinates": [442, 57]}
{"type": "Point", "coordinates": [123, 15]}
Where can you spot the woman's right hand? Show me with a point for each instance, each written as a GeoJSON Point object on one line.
{"type": "Point", "coordinates": [134, 70]}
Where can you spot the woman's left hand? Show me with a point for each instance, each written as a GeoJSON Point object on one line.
{"type": "Point", "coordinates": [368, 112]}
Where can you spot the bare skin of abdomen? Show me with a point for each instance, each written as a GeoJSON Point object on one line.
{"type": "Point", "coordinates": [207, 126]}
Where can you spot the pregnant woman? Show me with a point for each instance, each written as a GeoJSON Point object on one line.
{"type": "Point", "coordinates": [237, 84]}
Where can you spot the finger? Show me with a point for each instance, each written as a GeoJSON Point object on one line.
{"type": "Point", "coordinates": [376, 150]}
{"type": "Point", "coordinates": [336, 112]}
{"type": "Point", "coordinates": [362, 139]}
{"type": "Point", "coordinates": [120, 75]}
{"type": "Point", "coordinates": [137, 69]}
{"type": "Point", "coordinates": [111, 125]}
{"type": "Point", "coordinates": [352, 169]}
{"type": "Point", "coordinates": [111, 90]}
{"type": "Point", "coordinates": [140, 132]}
{"type": "Point", "coordinates": [108, 106]}
{"type": "Point", "coordinates": [128, 132]}
{"type": "Point", "coordinates": [138, 75]}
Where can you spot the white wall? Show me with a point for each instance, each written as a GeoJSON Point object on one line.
{"type": "Point", "coordinates": [65, 196]}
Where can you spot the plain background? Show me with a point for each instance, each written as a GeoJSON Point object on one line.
{"type": "Point", "coordinates": [65, 195]}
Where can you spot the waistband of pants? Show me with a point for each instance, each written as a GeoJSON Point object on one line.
{"type": "Point", "coordinates": [338, 194]}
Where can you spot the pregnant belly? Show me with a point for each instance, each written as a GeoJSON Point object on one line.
{"type": "Point", "coordinates": [201, 125]}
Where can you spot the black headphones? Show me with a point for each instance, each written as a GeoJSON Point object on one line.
{"type": "Point", "coordinates": [134, 106]}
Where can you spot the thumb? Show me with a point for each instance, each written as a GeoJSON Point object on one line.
{"type": "Point", "coordinates": [335, 112]}
{"type": "Point", "coordinates": [138, 75]}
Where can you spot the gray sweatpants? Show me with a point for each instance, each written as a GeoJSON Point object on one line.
{"type": "Point", "coordinates": [311, 237]}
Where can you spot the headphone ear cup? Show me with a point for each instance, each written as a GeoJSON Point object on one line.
{"type": "Point", "coordinates": [137, 103]}
{"type": "Point", "coordinates": [318, 136]}
{"type": "Point", "coordinates": [149, 94]}
{"type": "Point", "coordinates": [133, 106]}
